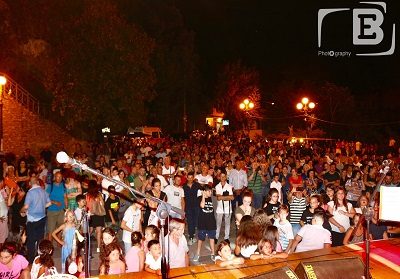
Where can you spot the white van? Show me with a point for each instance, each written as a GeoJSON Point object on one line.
{"type": "Point", "coordinates": [153, 132]}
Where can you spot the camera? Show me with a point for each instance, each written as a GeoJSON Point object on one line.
{"type": "Point", "coordinates": [300, 189]}
{"type": "Point", "coordinates": [225, 193]}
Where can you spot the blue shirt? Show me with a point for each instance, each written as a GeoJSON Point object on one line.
{"type": "Point", "coordinates": [56, 194]}
{"type": "Point", "coordinates": [36, 199]}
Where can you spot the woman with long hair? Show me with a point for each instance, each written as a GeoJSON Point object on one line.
{"type": "Point", "coordinates": [150, 216]}
{"type": "Point", "coordinates": [95, 204]}
{"type": "Point", "coordinates": [246, 208]}
{"type": "Point", "coordinates": [247, 239]}
{"type": "Point", "coordinates": [113, 262]}
{"type": "Point", "coordinates": [341, 212]}
{"type": "Point", "coordinates": [44, 261]}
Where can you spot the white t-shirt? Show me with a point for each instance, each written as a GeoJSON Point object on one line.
{"type": "Point", "coordinates": [177, 253]}
{"type": "Point", "coordinates": [224, 207]}
{"type": "Point", "coordinates": [313, 237]}
{"type": "Point", "coordinates": [153, 264]}
{"type": "Point", "coordinates": [204, 179]}
{"type": "Point", "coordinates": [277, 186]}
{"type": "Point", "coordinates": [132, 217]}
{"type": "Point", "coordinates": [340, 218]}
{"type": "Point", "coordinates": [174, 195]}
{"type": "Point", "coordinates": [170, 171]}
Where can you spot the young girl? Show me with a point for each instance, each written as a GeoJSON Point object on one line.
{"type": "Point", "coordinates": [151, 232]}
{"type": "Point", "coordinates": [135, 256]}
{"type": "Point", "coordinates": [272, 235]}
{"type": "Point", "coordinates": [132, 222]}
{"type": "Point", "coordinates": [153, 257]}
{"type": "Point", "coordinates": [113, 262]}
{"type": "Point", "coordinates": [108, 236]}
{"type": "Point", "coordinates": [247, 239]}
{"type": "Point", "coordinates": [68, 231]}
{"type": "Point", "coordinates": [11, 262]}
{"type": "Point", "coordinates": [42, 263]}
{"type": "Point", "coordinates": [272, 205]}
{"type": "Point", "coordinates": [266, 251]}
{"type": "Point", "coordinates": [225, 256]}
{"type": "Point", "coordinates": [358, 235]}
{"type": "Point", "coordinates": [341, 212]}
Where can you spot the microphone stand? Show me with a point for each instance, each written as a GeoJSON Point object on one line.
{"type": "Point", "coordinates": [163, 210]}
{"type": "Point", "coordinates": [86, 239]}
{"type": "Point", "coordinates": [368, 214]}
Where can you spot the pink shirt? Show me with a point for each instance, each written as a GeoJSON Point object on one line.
{"type": "Point", "coordinates": [132, 259]}
{"type": "Point", "coordinates": [19, 263]}
{"type": "Point", "coordinates": [177, 253]}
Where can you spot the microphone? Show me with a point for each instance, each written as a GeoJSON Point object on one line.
{"type": "Point", "coordinates": [63, 158]}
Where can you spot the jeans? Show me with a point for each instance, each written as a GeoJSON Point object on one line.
{"type": "Point", "coordinates": [295, 227]}
{"type": "Point", "coordinates": [192, 214]}
{"type": "Point", "coordinates": [127, 246]}
{"type": "Point", "coordinates": [34, 233]}
{"type": "Point", "coordinates": [257, 200]}
{"type": "Point", "coordinates": [220, 216]}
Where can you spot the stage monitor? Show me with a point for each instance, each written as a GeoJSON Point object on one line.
{"type": "Point", "coordinates": [283, 273]}
{"type": "Point", "coordinates": [341, 268]}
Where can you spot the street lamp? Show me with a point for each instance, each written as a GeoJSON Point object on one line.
{"type": "Point", "coordinates": [306, 106]}
{"type": "Point", "coordinates": [3, 82]}
{"type": "Point", "coordinates": [246, 106]}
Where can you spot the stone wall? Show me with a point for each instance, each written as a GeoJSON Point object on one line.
{"type": "Point", "coordinates": [23, 129]}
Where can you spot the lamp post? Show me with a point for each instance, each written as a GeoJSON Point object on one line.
{"type": "Point", "coordinates": [3, 82]}
{"type": "Point", "coordinates": [246, 106]}
{"type": "Point", "coordinates": [306, 106]}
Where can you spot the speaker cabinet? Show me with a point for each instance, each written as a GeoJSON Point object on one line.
{"type": "Point", "coordinates": [279, 273]}
{"type": "Point", "coordinates": [343, 268]}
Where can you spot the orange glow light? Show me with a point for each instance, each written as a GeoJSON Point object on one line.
{"type": "Point", "coordinates": [304, 101]}
{"type": "Point", "coordinates": [3, 80]}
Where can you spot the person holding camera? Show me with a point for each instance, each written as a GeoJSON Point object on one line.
{"type": "Point", "coordinates": [224, 193]}
{"type": "Point", "coordinates": [255, 180]}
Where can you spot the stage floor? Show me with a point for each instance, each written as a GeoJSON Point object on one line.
{"type": "Point", "coordinates": [384, 263]}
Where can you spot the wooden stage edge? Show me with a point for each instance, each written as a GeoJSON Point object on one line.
{"type": "Point", "coordinates": [384, 263]}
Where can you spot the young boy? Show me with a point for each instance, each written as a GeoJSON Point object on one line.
{"type": "Point", "coordinates": [81, 201]}
{"type": "Point", "coordinates": [112, 206]}
{"type": "Point", "coordinates": [153, 257]}
{"type": "Point", "coordinates": [206, 222]}
{"type": "Point", "coordinates": [284, 228]}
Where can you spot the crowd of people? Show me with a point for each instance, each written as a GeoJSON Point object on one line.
{"type": "Point", "coordinates": [276, 198]}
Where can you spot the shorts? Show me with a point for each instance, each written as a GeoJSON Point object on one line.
{"type": "Point", "coordinates": [202, 234]}
{"type": "Point", "coordinates": [96, 221]}
{"type": "Point", "coordinates": [54, 220]}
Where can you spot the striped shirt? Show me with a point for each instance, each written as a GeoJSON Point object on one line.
{"type": "Point", "coordinates": [297, 207]}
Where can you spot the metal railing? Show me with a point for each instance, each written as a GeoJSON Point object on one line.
{"type": "Point", "coordinates": [21, 95]}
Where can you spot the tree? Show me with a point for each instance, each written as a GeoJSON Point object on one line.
{"type": "Point", "coordinates": [96, 65]}
{"type": "Point", "coordinates": [236, 83]}
{"type": "Point", "coordinates": [174, 59]}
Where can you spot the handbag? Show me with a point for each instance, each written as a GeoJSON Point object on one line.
{"type": "Point", "coordinates": [98, 208]}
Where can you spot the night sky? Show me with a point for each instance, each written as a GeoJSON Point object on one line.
{"type": "Point", "coordinates": [280, 39]}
